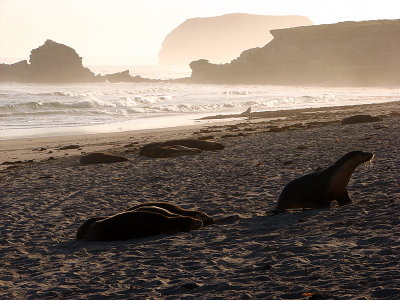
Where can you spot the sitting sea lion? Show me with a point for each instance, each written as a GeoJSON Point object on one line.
{"type": "Point", "coordinates": [134, 224]}
{"type": "Point", "coordinates": [318, 189]}
{"type": "Point", "coordinates": [206, 219]}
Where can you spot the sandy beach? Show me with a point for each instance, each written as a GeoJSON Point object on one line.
{"type": "Point", "coordinates": [349, 252]}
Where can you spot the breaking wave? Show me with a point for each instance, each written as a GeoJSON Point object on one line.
{"type": "Point", "coordinates": [34, 105]}
{"type": "Point", "coordinates": [91, 102]}
{"type": "Point", "coordinates": [132, 105]}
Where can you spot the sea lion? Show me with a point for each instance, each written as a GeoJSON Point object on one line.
{"type": "Point", "coordinates": [101, 158]}
{"type": "Point", "coordinates": [320, 188]}
{"type": "Point", "coordinates": [171, 151]}
{"type": "Point", "coordinates": [158, 210]}
{"type": "Point", "coordinates": [206, 219]}
{"type": "Point", "coordinates": [81, 232]}
{"type": "Point", "coordinates": [134, 224]}
{"type": "Point", "coordinates": [178, 147]}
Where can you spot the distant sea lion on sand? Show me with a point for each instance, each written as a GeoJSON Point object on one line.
{"type": "Point", "coordinates": [171, 151]}
{"type": "Point", "coordinates": [101, 158]}
{"type": "Point", "coordinates": [175, 148]}
{"type": "Point", "coordinates": [134, 224]}
{"type": "Point", "coordinates": [206, 219]}
{"type": "Point", "coordinates": [320, 188]}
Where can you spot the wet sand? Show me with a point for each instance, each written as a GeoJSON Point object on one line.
{"type": "Point", "coordinates": [349, 252]}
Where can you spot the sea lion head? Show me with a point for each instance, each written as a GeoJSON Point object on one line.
{"type": "Point", "coordinates": [355, 158]}
{"type": "Point", "coordinates": [82, 230]}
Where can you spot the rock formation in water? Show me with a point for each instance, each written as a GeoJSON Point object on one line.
{"type": "Point", "coordinates": [124, 76]}
{"type": "Point", "coordinates": [54, 62]}
{"type": "Point", "coordinates": [15, 72]}
{"type": "Point", "coordinates": [221, 39]}
{"type": "Point", "coordinates": [57, 63]}
{"type": "Point", "coordinates": [348, 53]}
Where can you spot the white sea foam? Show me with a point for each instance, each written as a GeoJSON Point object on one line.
{"type": "Point", "coordinates": [28, 106]}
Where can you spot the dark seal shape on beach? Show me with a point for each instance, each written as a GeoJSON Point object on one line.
{"type": "Point", "coordinates": [134, 224]}
{"type": "Point", "coordinates": [320, 188]}
{"type": "Point", "coordinates": [360, 119]}
{"type": "Point", "coordinates": [173, 147]}
{"type": "Point", "coordinates": [158, 210]}
{"type": "Point", "coordinates": [101, 158]}
{"type": "Point", "coordinates": [171, 151]}
{"type": "Point", "coordinates": [175, 209]}
{"type": "Point", "coordinates": [69, 147]}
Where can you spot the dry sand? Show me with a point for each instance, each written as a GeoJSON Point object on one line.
{"type": "Point", "coordinates": [350, 252]}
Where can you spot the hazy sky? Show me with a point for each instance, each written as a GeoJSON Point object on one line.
{"type": "Point", "coordinates": [131, 31]}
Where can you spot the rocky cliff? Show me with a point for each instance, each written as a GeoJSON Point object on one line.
{"type": "Point", "coordinates": [348, 53]}
{"type": "Point", "coordinates": [221, 39]}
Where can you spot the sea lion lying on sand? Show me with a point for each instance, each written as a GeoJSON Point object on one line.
{"type": "Point", "coordinates": [134, 224]}
{"type": "Point", "coordinates": [206, 219]}
{"type": "Point", "coordinates": [175, 148]}
{"type": "Point", "coordinates": [318, 189]}
{"type": "Point", "coordinates": [158, 210]}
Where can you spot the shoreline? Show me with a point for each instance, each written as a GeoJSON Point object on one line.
{"type": "Point", "coordinates": [55, 110]}
{"type": "Point", "coordinates": [40, 148]}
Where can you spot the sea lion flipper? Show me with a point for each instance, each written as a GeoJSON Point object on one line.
{"type": "Point", "coordinates": [343, 198]}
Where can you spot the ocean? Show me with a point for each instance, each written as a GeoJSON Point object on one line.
{"type": "Point", "coordinates": [37, 110]}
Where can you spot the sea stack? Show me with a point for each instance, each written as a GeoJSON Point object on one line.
{"type": "Point", "coordinates": [57, 63]}
{"type": "Point", "coordinates": [54, 62]}
{"type": "Point", "coordinates": [50, 63]}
